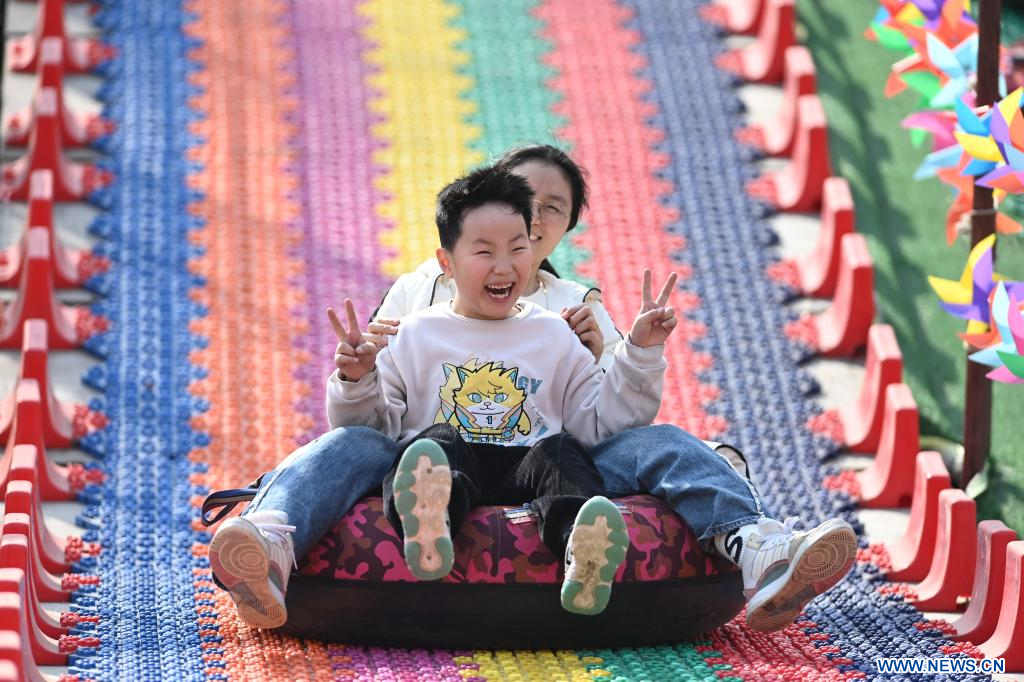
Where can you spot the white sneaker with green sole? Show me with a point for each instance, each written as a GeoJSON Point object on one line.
{"type": "Point", "coordinates": [596, 548]}
{"type": "Point", "coordinates": [422, 488]}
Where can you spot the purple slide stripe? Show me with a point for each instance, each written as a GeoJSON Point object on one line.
{"type": "Point", "coordinates": [334, 147]}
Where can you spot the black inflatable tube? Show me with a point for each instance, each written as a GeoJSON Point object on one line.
{"type": "Point", "coordinates": [506, 616]}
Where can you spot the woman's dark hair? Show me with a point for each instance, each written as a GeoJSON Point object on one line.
{"type": "Point", "coordinates": [548, 267]}
{"type": "Point", "coordinates": [556, 157]}
{"type": "Point", "coordinates": [491, 184]}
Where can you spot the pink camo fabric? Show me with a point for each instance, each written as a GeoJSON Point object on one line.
{"type": "Point", "coordinates": [492, 549]}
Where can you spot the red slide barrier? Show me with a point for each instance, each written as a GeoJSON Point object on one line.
{"type": "Point", "coordinates": [779, 136]}
{"type": "Point", "coordinates": [72, 181]}
{"type": "Point", "coordinates": [762, 60]}
{"type": "Point", "coordinates": [742, 17]}
{"type": "Point", "coordinates": [889, 481]}
{"type": "Point", "coordinates": [951, 574]}
{"type": "Point", "coordinates": [798, 187]}
{"type": "Point", "coordinates": [76, 130]}
{"type": "Point", "coordinates": [1007, 642]}
{"type": "Point", "coordinates": [862, 420]}
{"type": "Point", "coordinates": [80, 55]}
{"type": "Point", "coordinates": [979, 621]}
{"type": "Point", "coordinates": [911, 555]}
{"type": "Point", "coordinates": [843, 327]}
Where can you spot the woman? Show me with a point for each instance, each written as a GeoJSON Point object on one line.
{"type": "Point", "coordinates": [560, 194]}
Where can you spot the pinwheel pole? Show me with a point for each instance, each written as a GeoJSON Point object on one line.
{"type": "Point", "coordinates": [978, 389]}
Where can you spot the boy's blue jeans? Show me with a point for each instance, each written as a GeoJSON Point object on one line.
{"type": "Point", "coordinates": [699, 484]}
{"type": "Point", "coordinates": [320, 482]}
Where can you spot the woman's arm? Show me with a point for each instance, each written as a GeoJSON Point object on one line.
{"type": "Point", "coordinates": [411, 292]}
{"type": "Point", "coordinates": [611, 336]}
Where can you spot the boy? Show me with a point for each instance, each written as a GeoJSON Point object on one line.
{"type": "Point", "coordinates": [488, 381]}
{"type": "Point", "coordinates": [484, 387]}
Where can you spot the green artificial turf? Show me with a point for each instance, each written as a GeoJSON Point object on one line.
{"type": "Point", "coordinates": [904, 223]}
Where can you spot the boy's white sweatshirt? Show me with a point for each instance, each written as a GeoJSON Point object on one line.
{"type": "Point", "coordinates": [427, 286]}
{"type": "Point", "coordinates": [509, 382]}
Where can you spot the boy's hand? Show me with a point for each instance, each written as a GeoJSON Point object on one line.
{"type": "Point", "coordinates": [655, 321]}
{"type": "Point", "coordinates": [581, 320]}
{"type": "Point", "coordinates": [378, 331]}
{"type": "Point", "coordinates": [353, 357]}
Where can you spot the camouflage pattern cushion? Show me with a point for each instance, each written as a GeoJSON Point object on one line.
{"type": "Point", "coordinates": [492, 548]}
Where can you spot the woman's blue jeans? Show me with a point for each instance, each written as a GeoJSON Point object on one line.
{"type": "Point", "coordinates": [320, 482]}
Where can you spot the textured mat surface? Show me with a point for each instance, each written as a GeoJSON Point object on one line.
{"type": "Point", "coordinates": [274, 156]}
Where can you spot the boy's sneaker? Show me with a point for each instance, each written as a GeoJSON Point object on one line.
{"type": "Point", "coordinates": [596, 548]}
{"type": "Point", "coordinates": [422, 487]}
{"type": "Point", "coordinates": [783, 570]}
{"type": "Point", "coordinates": [252, 558]}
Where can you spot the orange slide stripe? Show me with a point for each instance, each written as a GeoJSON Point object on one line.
{"type": "Point", "coordinates": [249, 289]}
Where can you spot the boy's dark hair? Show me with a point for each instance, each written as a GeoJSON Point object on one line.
{"type": "Point", "coordinates": [488, 185]}
{"type": "Point", "coordinates": [556, 157]}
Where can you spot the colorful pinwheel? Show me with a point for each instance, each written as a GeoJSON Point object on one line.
{"type": "Point", "coordinates": [948, 20]}
{"type": "Point", "coordinates": [1000, 313]}
{"type": "Point", "coordinates": [899, 25]}
{"type": "Point", "coordinates": [1007, 356]}
{"type": "Point", "coordinates": [940, 73]}
{"type": "Point", "coordinates": [888, 37]}
{"type": "Point", "coordinates": [970, 147]}
{"type": "Point", "coordinates": [941, 39]}
{"type": "Point", "coordinates": [1013, 364]}
{"type": "Point", "coordinates": [974, 138]}
{"type": "Point", "coordinates": [968, 297]}
{"type": "Point", "coordinates": [939, 124]}
{"type": "Point", "coordinates": [976, 152]}
{"type": "Point", "coordinates": [963, 202]}
{"type": "Point", "coordinates": [979, 335]}
{"type": "Point", "coordinates": [1006, 130]}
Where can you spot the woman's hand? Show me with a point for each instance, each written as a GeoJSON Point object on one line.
{"type": "Point", "coordinates": [655, 321]}
{"type": "Point", "coordinates": [378, 331]}
{"type": "Point", "coordinates": [354, 357]}
{"type": "Point", "coordinates": [582, 320]}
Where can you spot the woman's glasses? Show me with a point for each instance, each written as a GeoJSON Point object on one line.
{"type": "Point", "coordinates": [548, 211]}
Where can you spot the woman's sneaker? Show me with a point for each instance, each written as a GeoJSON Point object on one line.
{"type": "Point", "coordinates": [596, 548]}
{"type": "Point", "coordinates": [422, 487]}
{"type": "Point", "coordinates": [784, 569]}
{"type": "Point", "coordinates": [252, 558]}
{"type": "Point", "coordinates": [731, 455]}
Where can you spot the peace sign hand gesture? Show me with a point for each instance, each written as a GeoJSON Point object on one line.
{"type": "Point", "coordinates": [655, 320]}
{"type": "Point", "coordinates": [353, 357]}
